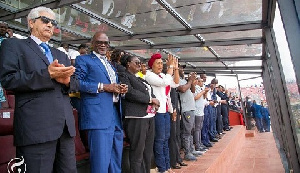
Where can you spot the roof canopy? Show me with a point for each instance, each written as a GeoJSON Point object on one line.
{"type": "Point", "coordinates": [215, 36]}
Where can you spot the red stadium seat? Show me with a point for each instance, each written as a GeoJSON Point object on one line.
{"type": "Point", "coordinates": [11, 101]}
{"type": "Point", "coordinates": [80, 151]}
{"type": "Point", "coordinates": [7, 151]}
{"type": "Point", "coordinates": [6, 121]}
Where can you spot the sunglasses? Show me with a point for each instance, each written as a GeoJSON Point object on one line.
{"type": "Point", "coordinates": [102, 42]}
{"type": "Point", "coordinates": [46, 20]}
{"type": "Point", "coordinates": [137, 62]}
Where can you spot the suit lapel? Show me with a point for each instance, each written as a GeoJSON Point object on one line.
{"type": "Point", "coordinates": [32, 44]}
{"type": "Point", "coordinates": [100, 64]}
{"type": "Point", "coordinates": [55, 56]}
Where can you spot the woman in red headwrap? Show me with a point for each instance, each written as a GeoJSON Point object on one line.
{"type": "Point", "coordinates": [161, 84]}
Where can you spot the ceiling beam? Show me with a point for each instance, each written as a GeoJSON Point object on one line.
{"type": "Point", "coordinates": [50, 4]}
{"type": "Point", "coordinates": [199, 30]}
{"type": "Point", "coordinates": [210, 68]}
{"type": "Point", "coordinates": [212, 59]}
{"type": "Point", "coordinates": [174, 13]}
{"type": "Point", "coordinates": [250, 78]}
{"type": "Point", "coordinates": [223, 42]}
{"type": "Point", "coordinates": [223, 72]}
{"type": "Point", "coordinates": [268, 12]}
{"type": "Point", "coordinates": [243, 26]}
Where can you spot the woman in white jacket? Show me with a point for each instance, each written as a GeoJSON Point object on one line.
{"type": "Point", "coordinates": [161, 84]}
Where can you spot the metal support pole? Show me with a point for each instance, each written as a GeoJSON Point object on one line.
{"type": "Point", "coordinates": [248, 126]}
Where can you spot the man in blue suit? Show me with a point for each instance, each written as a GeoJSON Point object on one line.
{"type": "Point", "coordinates": [100, 107]}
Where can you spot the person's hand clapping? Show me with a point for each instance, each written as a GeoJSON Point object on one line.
{"type": "Point", "coordinates": [176, 64]}
{"type": "Point", "coordinates": [170, 60]}
{"type": "Point", "coordinates": [192, 76]}
{"type": "Point", "coordinates": [206, 89]}
{"type": "Point", "coordinates": [57, 70]}
{"type": "Point", "coordinates": [60, 73]}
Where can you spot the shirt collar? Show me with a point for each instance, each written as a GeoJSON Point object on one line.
{"type": "Point", "coordinates": [98, 55]}
{"type": "Point", "coordinates": [37, 40]}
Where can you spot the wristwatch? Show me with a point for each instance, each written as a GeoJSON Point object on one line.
{"type": "Point", "coordinates": [171, 66]}
{"type": "Point", "coordinates": [101, 87]}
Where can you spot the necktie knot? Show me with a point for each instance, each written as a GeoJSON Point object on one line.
{"type": "Point", "coordinates": [45, 47]}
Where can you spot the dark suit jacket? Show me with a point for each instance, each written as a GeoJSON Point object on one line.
{"type": "Point", "coordinates": [42, 105]}
{"type": "Point", "coordinates": [96, 108]}
{"type": "Point", "coordinates": [223, 96]}
{"type": "Point", "coordinates": [137, 98]}
{"type": "Point", "coordinates": [174, 98]}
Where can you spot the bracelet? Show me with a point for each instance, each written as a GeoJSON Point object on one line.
{"type": "Point", "coordinates": [176, 68]}
{"type": "Point", "coordinates": [171, 66]}
{"type": "Point", "coordinates": [101, 88]}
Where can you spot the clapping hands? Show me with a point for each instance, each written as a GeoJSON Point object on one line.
{"type": "Point", "coordinates": [172, 61]}
{"type": "Point", "coordinates": [60, 73]}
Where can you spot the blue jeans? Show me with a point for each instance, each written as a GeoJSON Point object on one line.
{"type": "Point", "coordinates": [266, 124]}
{"type": "Point", "coordinates": [259, 124]}
{"type": "Point", "coordinates": [206, 126]}
{"type": "Point", "coordinates": [161, 141]}
{"type": "Point", "coordinates": [212, 123]}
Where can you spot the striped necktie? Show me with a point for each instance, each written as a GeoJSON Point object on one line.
{"type": "Point", "coordinates": [109, 69]}
{"type": "Point", "coordinates": [47, 52]}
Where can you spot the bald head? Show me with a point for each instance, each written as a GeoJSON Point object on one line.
{"type": "Point", "coordinates": [100, 43]}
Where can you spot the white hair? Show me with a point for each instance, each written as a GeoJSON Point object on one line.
{"type": "Point", "coordinates": [34, 13]}
{"type": "Point", "coordinates": [2, 22]}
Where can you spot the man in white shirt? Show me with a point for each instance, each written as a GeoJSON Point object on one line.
{"type": "Point", "coordinates": [200, 101]}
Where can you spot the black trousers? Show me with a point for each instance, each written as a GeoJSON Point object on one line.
{"type": "Point", "coordinates": [56, 156]}
{"type": "Point", "coordinates": [174, 142]}
{"type": "Point", "coordinates": [224, 112]}
{"type": "Point", "coordinates": [140, 132]}
{"type": "Point", "coordinates": [219, 120]}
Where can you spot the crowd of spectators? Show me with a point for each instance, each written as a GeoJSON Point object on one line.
{"type": "Point", "coordinates": [163, 110]}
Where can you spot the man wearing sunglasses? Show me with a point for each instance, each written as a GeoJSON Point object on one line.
{"type": "Point", "coordinates": [40, 77]}
{"type": "Point", "coordinates": [100, 93]}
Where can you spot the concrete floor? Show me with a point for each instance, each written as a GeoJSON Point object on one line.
{"type": "Point", "coordinates": [234, 153]}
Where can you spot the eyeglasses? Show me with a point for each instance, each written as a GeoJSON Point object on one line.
{"type": "Point", "coordinates": [137, 62]}
{"type": "Point", "coordinates": [102, 42]}
{"type": "Point", "coordinates": [46, 20]}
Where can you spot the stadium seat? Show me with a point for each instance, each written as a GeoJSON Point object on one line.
{"type": "Point", "coordinates": [80, 151]}
{"type": "Point", "coordinates": [6, 121]}
{"type": "Point", "coordinates": [7, 151]}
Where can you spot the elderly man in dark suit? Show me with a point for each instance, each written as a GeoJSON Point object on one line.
{"type": "Point", "coordinates": [40, 78]}
{"type": "Point", "coordinates": [100, 106]}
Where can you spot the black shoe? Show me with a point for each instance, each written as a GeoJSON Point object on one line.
{"type": "Point", "coordinates": [183, 164]}
{"type": "Point", "coordinates": [214, 140]}
{"type": "Point", "coordinates": [208, 145]}
{"type": "Point", "coordinates": [176, 167]}
{"type": "Point", "coordinates": [204, 147]}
